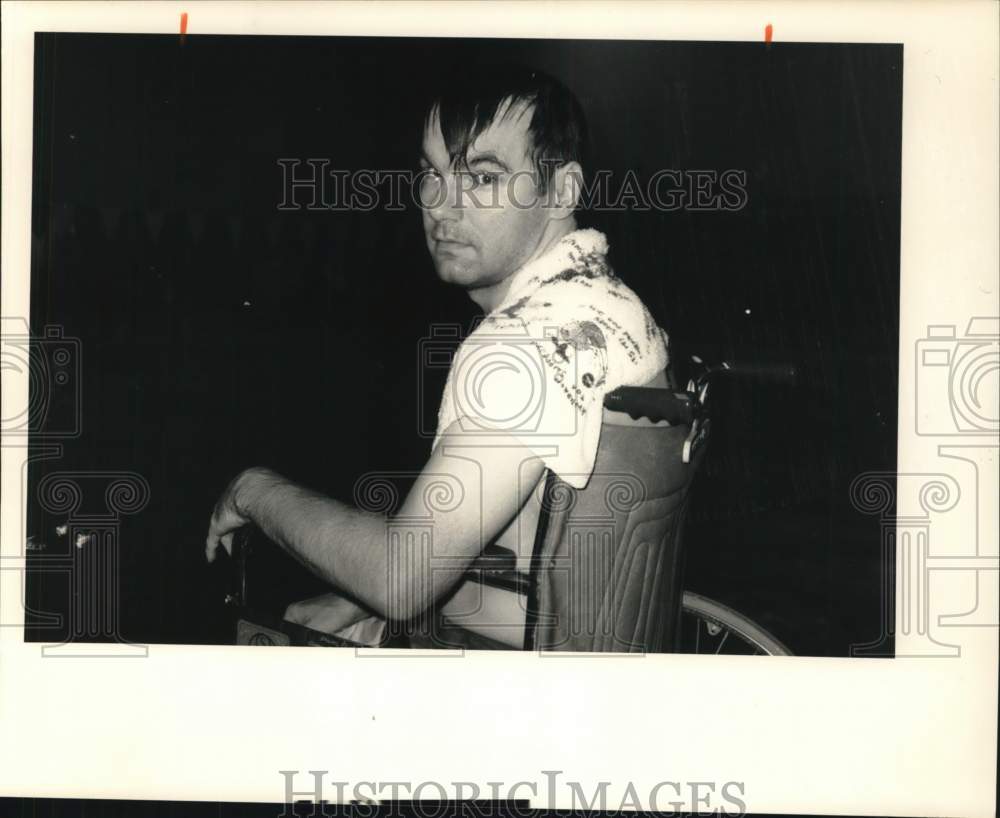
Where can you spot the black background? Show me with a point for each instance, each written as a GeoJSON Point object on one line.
{"type": "Point", "coordinates": [218, 332]}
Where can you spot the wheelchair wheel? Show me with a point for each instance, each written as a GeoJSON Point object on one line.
{"type": "Point", "coordinates": [709, 627]}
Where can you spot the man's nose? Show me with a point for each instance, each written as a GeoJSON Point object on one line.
{"type": "Point", "coordinates": [446, 202]}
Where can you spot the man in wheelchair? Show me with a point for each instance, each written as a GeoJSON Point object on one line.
{"type": "Point", "coordinates": [521, 423]}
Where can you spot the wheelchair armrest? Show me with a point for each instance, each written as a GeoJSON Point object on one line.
{"type": "Point", "coordinates": [497, 567]}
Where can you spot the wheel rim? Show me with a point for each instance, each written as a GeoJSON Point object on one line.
{"type": "Point", "coordinates": [709, 627]}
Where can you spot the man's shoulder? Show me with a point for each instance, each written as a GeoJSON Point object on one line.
{"type": "Point", "coordinates": [617, 331]}
{"type": "Point", "coordinates": [604, 300]}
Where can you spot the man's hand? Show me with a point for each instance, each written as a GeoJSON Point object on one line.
{"type": "Point", "coordinates": [229, 514]}
{"type": "Point", "coordinates": [472, 487]}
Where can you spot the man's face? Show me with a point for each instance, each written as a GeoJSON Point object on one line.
{"type": "Point", "coordinates": [483, 220]}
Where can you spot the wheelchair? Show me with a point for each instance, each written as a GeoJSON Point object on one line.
{"type": "Point", "coordinates": [605, 570]}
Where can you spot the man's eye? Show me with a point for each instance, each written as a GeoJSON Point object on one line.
{"type": "Point", "coordinates": [485, 178]}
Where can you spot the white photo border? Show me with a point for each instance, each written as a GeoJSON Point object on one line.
{"type": "Point", "coordinates": [911, 736]}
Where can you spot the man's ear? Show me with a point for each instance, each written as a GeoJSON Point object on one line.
{"type": "Point", "coordinates": [566, 187]}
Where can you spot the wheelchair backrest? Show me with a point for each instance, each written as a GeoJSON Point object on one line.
{"type": "Point", "coordinates": [608, 558]}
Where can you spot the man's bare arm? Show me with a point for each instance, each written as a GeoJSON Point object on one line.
{"type": "Point", "coordinates": [469, 491]}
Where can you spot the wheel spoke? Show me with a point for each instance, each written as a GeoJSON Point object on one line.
{"type": "Point", "coordinates": [750, 638]}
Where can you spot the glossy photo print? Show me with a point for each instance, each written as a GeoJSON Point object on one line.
{"type": "Point", "coordinates": [656, 285]}
{"type": "Point", "coordinates": [499, 408]}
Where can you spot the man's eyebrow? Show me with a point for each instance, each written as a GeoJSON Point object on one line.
{"type": "Point", "coordinates": [424, 159]}
{"type": "Point", "coordinates": [488, 158]}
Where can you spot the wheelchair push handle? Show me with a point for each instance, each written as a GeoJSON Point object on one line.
{"type": "Point", "coordinates": [651, 403]}
{"type": "Point", "coordinates": [683, 408]}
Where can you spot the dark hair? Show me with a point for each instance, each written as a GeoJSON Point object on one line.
{"type": "Point", "coordinates": [472, 99]}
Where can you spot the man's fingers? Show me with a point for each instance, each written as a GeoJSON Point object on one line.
{"type": "Point", "coordinates": [213, 542]}
{"type": "Point", "coordinates": [211, 546]}
{"type": "Point", "coordinates": [222, 527]}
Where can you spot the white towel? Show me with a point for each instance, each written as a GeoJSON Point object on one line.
{"type": "Point", "coordinates": [538, 366]}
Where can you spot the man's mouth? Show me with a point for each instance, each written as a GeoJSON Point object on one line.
{"type": "Point", "coordinates": [449, 245]}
